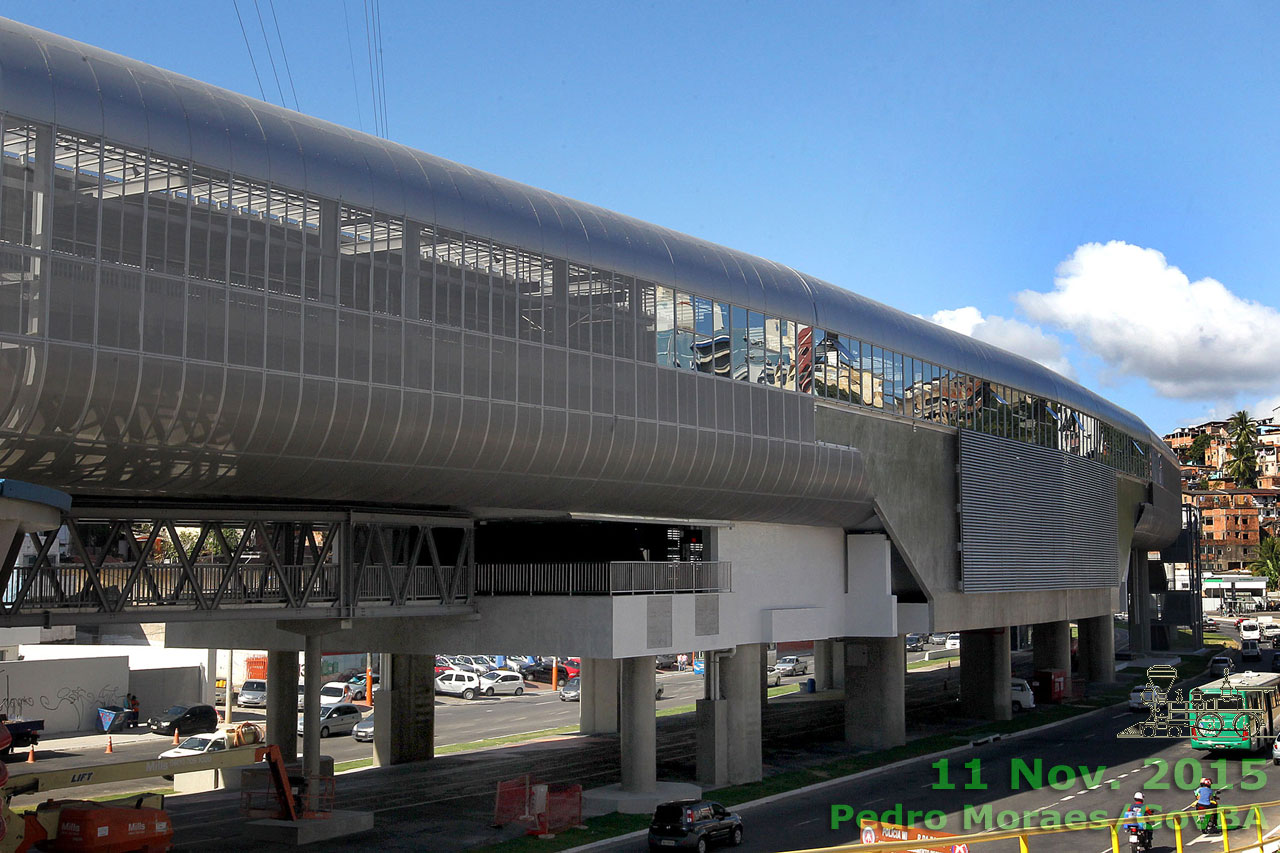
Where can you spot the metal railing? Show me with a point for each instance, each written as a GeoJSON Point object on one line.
{"type": "Point", "coordinates": [618, 578]}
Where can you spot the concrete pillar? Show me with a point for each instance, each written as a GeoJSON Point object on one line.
{"type": "Point", "coordinates": [763, 676]}
{"type": "Point", "coordinates": [405, 726]}
{"type": "Point", "coordinates": [740, 678]}
{"type": "Point", "coordinates": [985, 663]}
{"type": "Point", "coordinates": [313, 679]}
{"type": "Point", "coordinates": [837, 665]}
{"type": "Point", "coordinates": [210, 676]}
{"type": "Point", "coordinates": [822, 664]}
{"type": "Point", "coordinates": [598, 699]}
{"type": "Point", "coordinates": [1139, 604]}
{"type": "Point", "coordinates": [639, 726]}
{"type": "Point", "coordinates": [282, 703]}
{"type": "Point", "coordinates": [1051, 646]}
{"type": "Point", "coordinates": [1097, 648]}
{"type": "Point", "coordinates": [229, 692]}
{"type": "Point", "coordinates": [875, 683]}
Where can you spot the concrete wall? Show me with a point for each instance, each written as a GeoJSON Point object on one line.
{"type": "Point", "coordinates": [157, 689]}
{"type": "Point", "coordinates": [64, 693]}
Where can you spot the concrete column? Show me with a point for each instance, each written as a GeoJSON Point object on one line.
{"type": "Point", "coordinates": [639, 726]}
{"type": "Point", "coordinates": [837, 665]}
{"type": "Point", "coordinates": [1139, 604]}
{"type": "Point", "coordinates": [762, 679]}
{"type": "Point", "coordinates": [822, 664]}
{"type": "Point", "coordinates": [1051, 646]}
{"type": "Point", "coordinates": [740, 678]}
{"type": "Point", "coordinates": [1097, 648]}
{"type": "Point", "coordinates": [210, 676]}
{"type": "Point", "coordinates": [404, 729]}
{"type": "Point", "coordinates": [313, 679]}
{"type": "Point", "coordinates": [598, 699]}
{"type": "Point", "coordinates": [282, 703]}
{"type": "Point", "coordinates": [985, 667]}
{"type": "Point", "coordinates": [231, 686]}
{"type": "Point", "coordinates": [875, 683]}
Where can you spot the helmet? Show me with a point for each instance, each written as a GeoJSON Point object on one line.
{"type": "Point", "coordinates": [1137, 798]}
{"type": "Point", "coordinates": [1205, 781]}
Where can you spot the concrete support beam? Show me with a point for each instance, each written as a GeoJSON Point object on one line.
{"type": "Point", "coordinates": [1139, 604]}
{"type": "Point", "coordinates": [1051, 646]}
{"type": "Point", "coordinates": [985, 663]}
{"type": "Point", "coordinates": [874, 683]}
{"type": "Point", "coordinates": [837, 665]}
{"type": "Point", "coordinates": [740, 679]}
{"type": "Point", "coordinates": [822, 676]}
{"type": "Point", "coordinates": [639, 726]}
{"type": "Point", "coordinates": [406, 709]}
{"type": "Point", "coordinates": [598, 700]}
{"type": "Point", "coordinates": [1097, 648]}
{"type": "Point", "coordinates": [313, 680]}
{"type": "Point", "coordinates": [282, 703]}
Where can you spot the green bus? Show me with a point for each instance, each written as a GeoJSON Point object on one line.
{"type": "Point", "coordinates": [1239, 711]}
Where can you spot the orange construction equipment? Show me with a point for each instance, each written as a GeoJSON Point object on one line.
{"type": "Point", "coordinates": [31, 754]}
{"type": "Point", "coordinates": [108, 750]}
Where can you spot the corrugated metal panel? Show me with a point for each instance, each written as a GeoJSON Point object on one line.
{"type": "Point", "coordinates": [1032, 518]}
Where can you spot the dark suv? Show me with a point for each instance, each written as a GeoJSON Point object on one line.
{"type": "Point", "coordinates": [186, 719]}
{"type": "Point", "coordinates": [693, 825]}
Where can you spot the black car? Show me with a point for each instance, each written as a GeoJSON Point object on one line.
{"type": "Point", "coordinates": [693, 825]}
{"type": "Point", "coordinates": [186, 719]}
{"type": "Point", "coordinates": [542, 672]}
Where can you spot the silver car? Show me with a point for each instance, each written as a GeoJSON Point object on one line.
{"type": "Point", "coordinates": [363, 730]}
{"type": "Point", "coordinates": [792, 665]}
{"type": "Point", "coordinates": [253, 694]}
{"type": "Point", "coordinates": [772, 677]}
{"type": "Point", "coordinates": [501, 681]}
{"type": "Point", "coordinates": [335, 719]}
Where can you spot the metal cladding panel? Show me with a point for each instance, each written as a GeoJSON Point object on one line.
{"type": "Point", "coordinates": [79, 103]}
{"type": "Point", "coordinates": [1032, 518]}
{"type": "Point", "coordinates": [25, 81]}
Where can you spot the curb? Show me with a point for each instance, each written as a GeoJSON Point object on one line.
{"type": "Point", "coordinates": [829, 783]}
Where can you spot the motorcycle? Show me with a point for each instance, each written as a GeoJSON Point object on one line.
{"type": "Point", "coordinates": [1139, 839]}
{"type": "Point", "coordinates": [1210, 821]}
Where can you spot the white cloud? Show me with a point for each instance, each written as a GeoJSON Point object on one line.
{"type": "Point", "coordinates": [1012, 335]}
{"type": "Point", "coordinates": [1144, 317]}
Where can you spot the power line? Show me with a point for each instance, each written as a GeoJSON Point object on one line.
{"type": "Point", "coordinates": [351, 54]}
{"type": "Point", "coordinates": [249, 48]}
{"type": "Point", "coordinates": [270, 54]}
{"type": "Point", "coordinates": [287, 70]}
{"type": "Point", "coordinates": [373, 82]}
{"type": "Point", "coordinates": [382, 71]}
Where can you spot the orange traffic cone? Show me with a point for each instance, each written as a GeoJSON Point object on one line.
{"type": "Point", "coordinates": [109, 750]}
{"type": "Point", "coordinates": [175, 735]}
{"type": "Point", "coordinates": [31, 755]}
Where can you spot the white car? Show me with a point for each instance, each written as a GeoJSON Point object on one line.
{"type": "Point", "coordinates": [501, 681]}
{"type": "Point", "coordinates": [1275, 752]}
{"type": "Point", "coordinates": [1249, 630]}
{"type": "Point", "coordinates": [457, 682]}
{"type": "Point", "coordinates": [953, 641]}
{"type": "Point", "coordinates": [772, 677]}
{"type": "Point", "coordinates": [1023, 699]}
{"type": "Point", "coordinates": [1141, 697]}
{"type": "Point", "coordinates": [792, 665]}
{"type": "Point", "coordinates": [198, 745]}
{"type": "Point", "coordinates": [335, 719]}
{"type": "Point", "coordinates": [337, 691]}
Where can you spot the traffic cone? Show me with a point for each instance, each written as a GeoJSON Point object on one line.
{"type": "Point", "coordinates": [175, 735]}
{"type": "Point", "coordinates": [109, 750]}
{"type": "Point", "coordinates": [31, 755]}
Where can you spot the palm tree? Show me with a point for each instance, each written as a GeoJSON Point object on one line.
{"type": "Point", "coordinates": [1242, 429]}
{"type": "Point", "coordinates": [1242, 467]}
{"type": "Point", "coordinates": [1268, 563]}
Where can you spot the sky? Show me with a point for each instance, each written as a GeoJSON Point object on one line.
{"type": "Point", "coordinates": [1092, 184]}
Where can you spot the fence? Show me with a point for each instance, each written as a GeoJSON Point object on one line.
{"type": "Point", "coordinates": [618, 578]}
{"type": "Point", "coordinates": [546, 809]}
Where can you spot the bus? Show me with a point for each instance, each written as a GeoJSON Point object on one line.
{"type": "Point", "coordinates": [1239, 711]}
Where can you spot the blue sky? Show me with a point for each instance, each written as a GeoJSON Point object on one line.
{"type": "Point", "coordinates": [1091, 184]}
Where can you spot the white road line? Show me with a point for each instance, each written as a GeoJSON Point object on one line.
{"type": "Point", "coordinates": [1067, 797]}
{"type": "Point", "coordinates": [1116, 717]}
{"type": "Point", "coordinates": [876, 800]}
{"type": "Point", "coordinates": [804, 822]}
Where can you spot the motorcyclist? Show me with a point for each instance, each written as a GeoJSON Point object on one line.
{"type": "Point", "coordinates": [1207, 799]}
{"type": "Point", "coordinates": [1138, 809]}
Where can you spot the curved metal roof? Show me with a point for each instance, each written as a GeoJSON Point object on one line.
{"type": "Point", "coordinates": [48, 78]}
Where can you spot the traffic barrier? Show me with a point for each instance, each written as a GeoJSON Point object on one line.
{"type": "Point", "coordinates": [1245, 814]}
{"type": "Point", "coordinates": [512, 800]}
{"type": "Point", "coordinates": [108, 750]}
{"type": "Point", "coordinates": [557, 808]}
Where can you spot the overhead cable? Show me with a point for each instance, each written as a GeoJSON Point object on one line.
{"type": "Point", "coordinates": [270, 53]}
{"type": "Point", "coordinates": [249, 48]}
{"type": "Point", "coordinates": [287, 70]}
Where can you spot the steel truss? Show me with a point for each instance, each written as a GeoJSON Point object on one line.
{"type": "Point", "coordinates": [174, 564]}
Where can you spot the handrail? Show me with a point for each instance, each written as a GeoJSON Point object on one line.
{"type": "Point", "coordinates": [1175, 820]}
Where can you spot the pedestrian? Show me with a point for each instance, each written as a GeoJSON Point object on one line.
{"type": "Point", "coordinates": [682, 660]}
{"type": "Point", "coordinates": [134, 705]}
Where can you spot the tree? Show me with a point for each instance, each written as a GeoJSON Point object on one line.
{"type": "Point", "coordinates": [1242, 429]}
{"type": "Point", "coordinates": [1199, 446]}
{"type": "Point", "coordinates": [1268, 563]}
{"type": "Point", "coordinates": [1242, 466]}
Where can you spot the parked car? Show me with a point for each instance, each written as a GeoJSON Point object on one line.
{"type": "Point", "coordinates": [253, 693]}
{"type": "Point", "coordinates": [915, 643]}
{"type": "Point", "coordinates": [1140, 697]}
{"type": "Point", "coordinates": [336, 719]}
{"type": "Point", "coordinates": [666, 661]}
{"type": "Point", "coordinates": [772, 677]}
{"type": "Point", "coordinates": [302, 692]}
{"type": "Point", "coordinates": [1219, 665]}
{"type": "Point", "coordinates": [220, 692]}
{"type": "Point", "coordinates": [363, 730]}
{"type": "Point", "coordinates": [358, 692]}
{"type": "Point", "coordinates": [479, 664]}
{"type": "Point", "coordinates": [336, 691]}
{"type": "Point", "coordinates": [458, 682]}
{"type": "Point", "coordinates": [693, 824]}
{"type": "Point", "coordinates": [937, 638]}
{"type": "Point", "coordinates": [1023, 700]}
{"type": "Point", "coordinates": [571, 691]}
{"type": "Point", "coordinates": [1275, 751]}
{"type": "Point", "coordinates": [953, 641]}
{"type": "Point", "coordinates": [542, 672]}
{"type": "Point", "coordinates": [185, 719]}
{"type": "Point", "coordinates": [792, 665]}
{"type": "Point", "coordinates": [1249, 630]}
{"type": "Point", "coordinates": [198, 745]}
{"type": "Point", "coordinates": [501, 681]}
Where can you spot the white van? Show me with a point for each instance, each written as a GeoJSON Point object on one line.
{"type": "Point", "coordinates": [1021, 691]}
{"type": "Point", "coordinates": [1249, 630]}
{"type": "Point", "coordinates": [336, 692]}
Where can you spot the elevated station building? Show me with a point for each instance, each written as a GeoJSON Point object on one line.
{"type": "Point", "coordinates": [442, 410]}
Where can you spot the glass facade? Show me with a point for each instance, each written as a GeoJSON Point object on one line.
{"type": "Point", "coordinates": [135, 252]}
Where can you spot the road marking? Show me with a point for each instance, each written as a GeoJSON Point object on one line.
{"type": "Point", "coordinates": [880, 799]}
{"type": "Point", "coordinates": [804, 822]}
{"type": "Point", "coordinates": [1118, 716]}
{"type": "Point", "coordinates": [1067, 797]}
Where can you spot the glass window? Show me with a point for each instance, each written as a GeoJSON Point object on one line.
{"type": "Point", "coordinates": [755, 347]}
{"type": "Point", "coordinates": [897, 371]}
{"type": "Point", "coordinates": [646, 346]}
{"type": "Point", "coordinates": [703, 317]}
{"type": "Point", "coordinates": [720, 339]}
{"type": "Point", "coordinates": [739, 342]}
{"type": "Point", "coordinates": [665, 324]}
{"type": "Point", "coordinates": [684, 311]}
{"type": "Point", "coordinates": [787, 357]}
